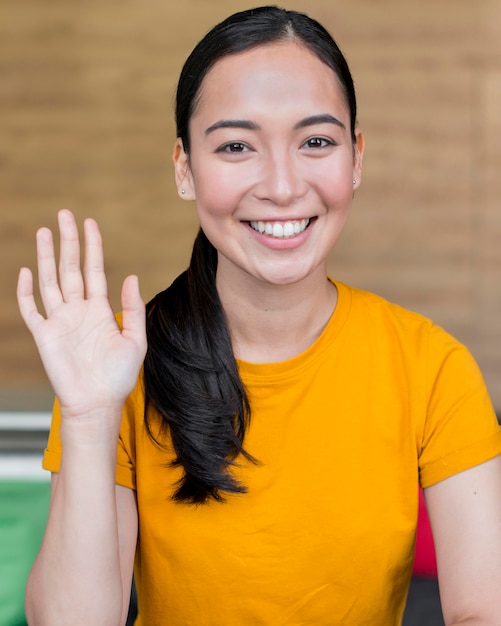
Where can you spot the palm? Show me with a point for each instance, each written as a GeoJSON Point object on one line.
{"type": "Point", "coordinates": [89, 360]}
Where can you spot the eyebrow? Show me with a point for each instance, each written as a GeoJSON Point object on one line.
{"type": "Point", "coordinates": [232, 124]}
{"type": "Point", "coordinates": [323, 118]}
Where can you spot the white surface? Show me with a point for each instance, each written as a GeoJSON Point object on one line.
{"type": "Point", "coordinates": [22, 467]}
{"type": "Point", "coordinates": [24, 421]}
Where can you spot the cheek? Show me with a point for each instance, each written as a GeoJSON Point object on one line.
{"type": "Point", "coordinates": [218, 189]}
{"type": "Point", "coordinates": [334, 183]}
{"type": "Point", "coordinates": [214, 199]}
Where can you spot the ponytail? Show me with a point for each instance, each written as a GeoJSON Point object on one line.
{"type": "Point", "coordinates": [192, 380]}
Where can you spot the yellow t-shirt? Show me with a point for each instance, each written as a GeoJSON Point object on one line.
{"type": "Point", "coordinates": [343, 433]}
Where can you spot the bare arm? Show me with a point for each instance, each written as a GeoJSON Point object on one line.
{"type": "Point", "coordinates": [465, 513]}
{"type": "Point", "coordinates": [83, 571]}
{"type": "Point", "coordinates": [67, 579]}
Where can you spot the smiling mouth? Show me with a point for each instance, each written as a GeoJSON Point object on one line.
{"type": "Point", "coordinates": [281, 230]}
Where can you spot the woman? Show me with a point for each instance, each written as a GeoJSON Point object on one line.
{"type": "Point", "coordinates": [272, 477]}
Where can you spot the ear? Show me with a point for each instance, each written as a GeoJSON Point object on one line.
{"type": "Point", "coordinates": [358, 155]}
{"type": "Point", "coordinates": [184, 179]}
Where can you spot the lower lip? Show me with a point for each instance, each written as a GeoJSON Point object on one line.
{"type": "Point", "coordinates": [286, 243]}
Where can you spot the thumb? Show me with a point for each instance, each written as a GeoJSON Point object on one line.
{"type": "Point", "coordinates": [133, 311]}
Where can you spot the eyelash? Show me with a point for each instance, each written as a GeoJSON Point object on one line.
{"type": "Point", "coordinates": [242, 147]}
{"type": "Point", "coordinates": [322, 140]}
{"type": "Point", "coordinates": [227, 147]}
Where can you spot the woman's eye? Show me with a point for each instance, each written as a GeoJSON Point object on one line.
{"type": "Point", "coordinates": [235, 146]}
{"type": "Point", "coordinates": [318, 142]}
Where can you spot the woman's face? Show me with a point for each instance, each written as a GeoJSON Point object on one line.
{"type": "Point", "coordinates": [272, 164]}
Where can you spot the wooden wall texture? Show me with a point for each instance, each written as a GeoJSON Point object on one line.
{"type": "Point", "coordinates": [86, 94]}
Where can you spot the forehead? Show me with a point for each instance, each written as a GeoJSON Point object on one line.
{"type": "Point", "coordinates": [271, 79]}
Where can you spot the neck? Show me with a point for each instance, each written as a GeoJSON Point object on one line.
{"type": "Point", "coordinates": [271, 323]}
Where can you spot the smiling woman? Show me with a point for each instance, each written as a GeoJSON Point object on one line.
{"type": "Point", "coordinates": [278, 165]}
{"type": "Point", "coordinates": [273, 424]}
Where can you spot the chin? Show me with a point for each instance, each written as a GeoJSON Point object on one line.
{"type": "Point", "coordinates": [284, 279]}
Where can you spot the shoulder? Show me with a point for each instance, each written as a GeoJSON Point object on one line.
{"type": "Point", "coordinates": [374, 303]}
{"type": "Point", "coordinates": [373, 309]}
{"type": "Point", "coordinates": [388, 326]}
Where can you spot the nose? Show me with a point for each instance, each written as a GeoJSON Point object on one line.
{"type": "Point", "coordinates": [281, 181]}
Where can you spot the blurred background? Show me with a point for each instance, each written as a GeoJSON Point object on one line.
{"type": "Point", "coordinates": [86, 123]}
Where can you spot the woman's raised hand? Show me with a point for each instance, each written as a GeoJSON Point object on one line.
{"type": "Point", "coordinates": [91, 363]}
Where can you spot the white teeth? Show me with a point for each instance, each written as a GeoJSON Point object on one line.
{"type": "Point", "coordinates": [278, 230]}
{"type": "Point", "coordinates": [281, 230]}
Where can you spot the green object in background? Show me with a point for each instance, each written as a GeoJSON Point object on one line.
{"type": "Point", "coordinates": [24, 506]}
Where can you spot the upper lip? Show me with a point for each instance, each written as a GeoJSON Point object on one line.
{"type": "Point", "coordinates": [279, 219]}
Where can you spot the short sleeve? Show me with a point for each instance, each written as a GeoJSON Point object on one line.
{"type": "Point", "coordinates": [53, 452]}
{"type": "Point", "coordinates": [126, 451]}
{"type": "Point", "coordinates": [461, 429]}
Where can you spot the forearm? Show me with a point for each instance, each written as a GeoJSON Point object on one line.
{"type": "Point", "coordinates": [475, 621]}
{"type": "Point", "coordinates": [76, 578]}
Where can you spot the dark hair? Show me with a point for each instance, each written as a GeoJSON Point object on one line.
{"type": "Point", "coordinates": [190, 373]}
{"type": "Point", "coordinates": [248, 29]}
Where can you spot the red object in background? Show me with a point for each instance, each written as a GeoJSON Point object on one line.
{"type": "Point", "coordinates": [425, 563]}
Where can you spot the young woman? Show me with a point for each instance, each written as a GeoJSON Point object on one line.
{"type": "Point", "coordinates": [270, 450]}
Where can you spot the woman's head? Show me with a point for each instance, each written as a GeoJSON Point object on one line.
{"type": "Point", "coordinates": [248, 29]}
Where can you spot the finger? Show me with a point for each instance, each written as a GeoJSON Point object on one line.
{"type": "Point", "coordinates": [70, 274]}
{"type": "Point", "coordinates": [26, 300]}
{"type": "Point", "coordinates": [133, 312]}
{"type": "Point", "coordinates": [47, 272]}
{"type": "Point", "coordinates": [95, 278]}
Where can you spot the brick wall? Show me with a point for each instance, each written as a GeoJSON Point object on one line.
{"type": "Point", "coordinates": [86, 93]}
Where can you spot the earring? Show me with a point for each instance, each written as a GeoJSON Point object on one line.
{"type": "Point", "coordinates": [354, 182]}
{"type": "Point", "coordinates": [183, 191]}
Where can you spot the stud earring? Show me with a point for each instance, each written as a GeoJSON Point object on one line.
{"type": "Point", "coordinates": [183, 191]}
{"type": "Point", "coordinates": [354, 182]}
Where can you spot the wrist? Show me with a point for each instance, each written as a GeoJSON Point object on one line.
{"type": "Point", "coordinates": [97, 427]}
